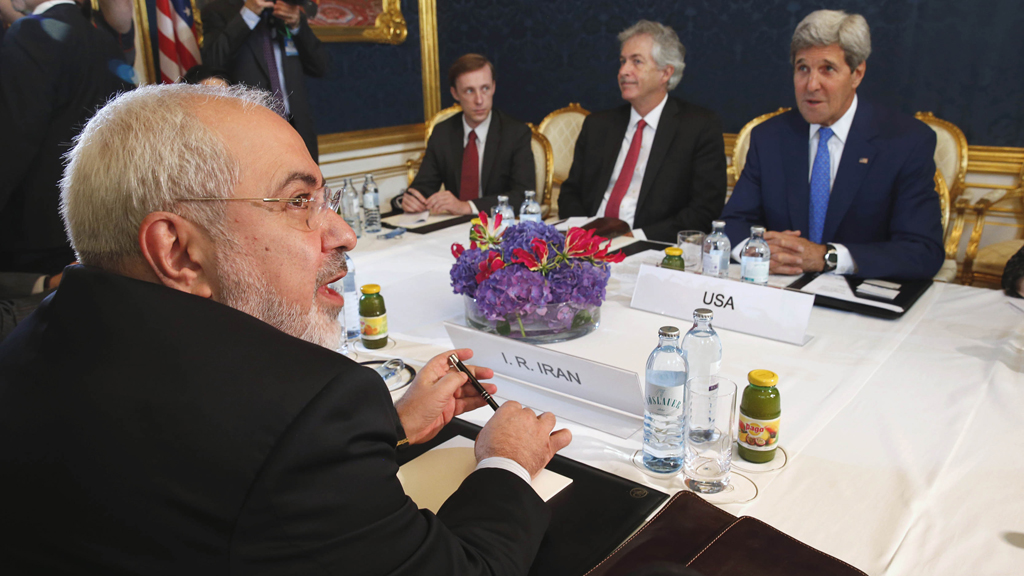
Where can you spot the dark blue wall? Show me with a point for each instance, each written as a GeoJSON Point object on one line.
{"type": "Point", "coordinates": [963, 60]}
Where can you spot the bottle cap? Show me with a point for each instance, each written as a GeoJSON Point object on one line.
{"type": "Point", "coordinates": [674, 251]}
{"type": "Point", "coordinates": [668, 332]}
{"type": "Point", "coordinates": [530, 194]}
{"type": "Point", "coordinates": [763, 378]}
{"type": "Point", "coordinates": [757, 229]}
{"type": "Point", "coordinates": [718, 224]}
{"type": "Point", "coordinates": [502, 198]}
{"type": "Point", "coordinates": [703, 314]}
{"type": "Point", "coordinates": [370, 289]}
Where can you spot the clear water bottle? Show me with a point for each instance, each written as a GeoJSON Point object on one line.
{"type": "Point", "coordinates": [702, 349]}
{"type": "Point", "coordinates": [349, 315]}
{"type": "Point", "coordinates": [508, 215]}
{"type": "Point", "coordinates": [530, 210]}
{"type": "Point", "coordinates": [371, 205]}
{"type": "Point", "coordinates": [717, 249]}
{"type": "Point", "coordinates": [663, 398]}
{"type": "Point", "coordinates": [756, 258]}
{"type": "Point", "coordinates": [351, 207]}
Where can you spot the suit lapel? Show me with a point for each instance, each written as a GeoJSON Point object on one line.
{"type": "Point", "coordinates": [455, 138]}
{"type": "Point", "coordinates": [851, 169]}
{"type": "Point", "coordinates": [612, 146]}
{"type": "Point", "coordinates": [256, 45]}
{"type": "Point", "coordinates": [490, 151]}
{"type": "Point", "coordinates": [796, 172]}
{"type": "Point", "coordinates": [663, 136]}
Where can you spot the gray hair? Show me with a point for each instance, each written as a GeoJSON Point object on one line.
{"type": "Point", "coordinates": [667, 49]}
{"type": "Point", "coordinates": [827, 27]}
{"type": "Point", "coordinates": [143, 152]}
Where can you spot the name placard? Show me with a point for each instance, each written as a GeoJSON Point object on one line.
{"type": "Point", "coordinates": [740, 306]}
{"type": "Point", "coordinates": [587, 392]}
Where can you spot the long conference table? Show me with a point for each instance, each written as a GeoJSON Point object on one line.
{"type": "Point", "coordinates": [903, 438]}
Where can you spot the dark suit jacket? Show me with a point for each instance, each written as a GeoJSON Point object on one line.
{"type": "Point", "coordinates": [684, 183]}
{"type": "Point", "coordinates": [228, 44]}
{"type": "Point", "coordinates": [508, 167]}
{"type": "Point", "coordinates": [148, 431]}
{"type": "Point", "coordinates": [56, 69]}
{"type": "Point", "coordinates": [1013, 272]}
{"type": "Point", "coordinates": [885, 211]}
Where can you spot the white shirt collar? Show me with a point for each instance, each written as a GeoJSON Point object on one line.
{"type": "Point", "coordinates": [841, 129]}
{"type": "Point", "coordinates": [652, 118]}
{"type": "Point", "coordinates": [47, 5]}
{"type": "Point", "coordinates": [481, 130]}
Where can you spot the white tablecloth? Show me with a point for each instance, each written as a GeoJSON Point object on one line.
{"type": "Point", "coordinates": [903, 437]}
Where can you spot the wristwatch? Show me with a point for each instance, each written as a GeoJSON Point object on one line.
{"type": "Point", "coordinates": [831, 258]}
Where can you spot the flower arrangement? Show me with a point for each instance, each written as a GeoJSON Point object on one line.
{"type": "Point", "coordinates": [530, 275]}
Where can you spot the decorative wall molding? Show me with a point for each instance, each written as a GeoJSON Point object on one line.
{"type": "Point", "coordinates": [429, 54]}
{"type": "Point", "coordinates": [372, 138]}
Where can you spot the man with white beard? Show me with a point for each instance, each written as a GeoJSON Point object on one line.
{"type": "Point", "coordinates": [167, 409]}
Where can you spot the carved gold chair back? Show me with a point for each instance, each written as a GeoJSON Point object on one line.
{"type": "Point", "coordinates": [742, 145]}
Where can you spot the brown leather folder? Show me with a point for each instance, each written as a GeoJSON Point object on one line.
{"type": "Point", "coordinates": [690, 532]}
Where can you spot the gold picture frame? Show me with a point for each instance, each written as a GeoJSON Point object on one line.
{"type": "Point", "coordinates": [389, 28]}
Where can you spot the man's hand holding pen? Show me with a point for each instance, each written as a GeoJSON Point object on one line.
{"type": "Point", "coordinates": [439, 393]}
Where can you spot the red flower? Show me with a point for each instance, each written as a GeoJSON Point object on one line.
{"type": "Point", "coordinates": [538, 261]}
{"type": "Point", "coordinates": [489, 266]}
{"type": "Point", "coordinates": [580, 243]}
{"type": "Point", "coordinates": [486, 233]}
{"type": "Point", "coordinates": [457, 250]}
{"type": "Point", "coordinates": [603, 256]}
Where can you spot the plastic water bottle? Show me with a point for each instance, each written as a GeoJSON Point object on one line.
{"type": "Point", "coordinates": [351, 207]}
{"type": "Point", "coordinates": [702, 349]}
{"type": "Point", "coordinates": [756, 258]}
{"type": "Point", "coordinates": [717, 249]}
{"type": "Point", "coordinates": [663, 398]}
{"type": "Point", "coordinates": [351, 294]}
{"type": "Point", "coordinates": [371, 205]}
{"type": "Point", "coordinates": [508, 215]}
{"type": "Point", "coordinates": [530, 210]}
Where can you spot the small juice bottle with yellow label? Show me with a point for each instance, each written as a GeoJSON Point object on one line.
{"type": "Point", "coordinates": [673, 258]}
{"type": "Point", "coordinates": [373, 317]}
{"type": "Point", "coordinates": [760, 412]}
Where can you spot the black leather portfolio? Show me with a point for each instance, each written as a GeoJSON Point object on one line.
{"type": "Point", "coordinates": [589, 518]}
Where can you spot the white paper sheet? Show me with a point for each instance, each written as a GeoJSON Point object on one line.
{"type": "Point", "coordinates": [575, 222]}
{"type": "Point", "coordinates": [415, 220]}
{"type": "Point", "coordinates": [835, 286]}
{"type": "Point", "coordinates": [432, 477]}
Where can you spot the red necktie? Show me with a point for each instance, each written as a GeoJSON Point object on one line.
{"type": "Point", "coordinates": [611, 210]}
{"type": "Point", "coordinates": [469, 186]}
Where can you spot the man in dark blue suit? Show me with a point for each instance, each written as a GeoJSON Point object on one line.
{"type": "Point", "coordinates": [842, 185]}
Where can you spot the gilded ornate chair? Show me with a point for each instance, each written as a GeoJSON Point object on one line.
{"type": "Point", "coordinates": [543, 165]}
{"type": "Point", "coordinates": [413, 166]}
{"type": "Point", "coordinates": [561, 128]}
{"type": "Point", "coordinates": [739, 150]}
{"type": "Point", "coordinates": [948, 271]}
{"type": "Point", "coordinates": [986, 264]}
{"type": "Point", "coordinates": [950, 152]}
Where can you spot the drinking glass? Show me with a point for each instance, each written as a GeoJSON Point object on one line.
{"type": "Point", "coordinates": [692, 243]}
{"type": "Point", "coordinates": [708, 437]}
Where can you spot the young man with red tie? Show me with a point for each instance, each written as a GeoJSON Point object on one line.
{"type": "Point", "coordinates": [656, 164]}
{"type": "Point", "coordinates": [477, 154]}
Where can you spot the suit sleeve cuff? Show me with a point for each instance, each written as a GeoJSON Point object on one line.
{"type": "Point", "coordinates": [251, 18]}
{"type": "Point", "coordinates": [504, 464]}
{"type": "Point", "coordinates": [40, 285]}
{"type": "Point", "coordinates": [845, 265]}
{"type": "Point", "coordinates": [638, 233]}
{"type": "Point", "coordinates": [472, 207]}
{"type": "Point", "coordinates": [737, 252]}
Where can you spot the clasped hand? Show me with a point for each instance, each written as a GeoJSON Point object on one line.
{"type": "Point", "coordinates": [792, 254]}
{"type": "Point", "coordinates": [290, 14]}
{"type": "Point", "coordinates": [440, 202]}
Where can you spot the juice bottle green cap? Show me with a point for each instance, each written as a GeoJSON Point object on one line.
{"type": "Point", "coordinates": [370, 289]}
{"type": "Point", "coordinates": [674, 251]}
{"type": "Point", "coordinates": [763, 378]}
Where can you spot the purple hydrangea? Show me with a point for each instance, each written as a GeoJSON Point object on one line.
{"type": "Point", "coordinates": [581, 283]}
{"type": "Point", "coordinates": [512, 290]}
{"type": "Point", "coordinates": [464, 271]}
{"type": "Point", "coordinates": [520, 236]}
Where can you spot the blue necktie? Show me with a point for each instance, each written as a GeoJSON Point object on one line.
{"type": "Point", "coordinates": [821, 177]}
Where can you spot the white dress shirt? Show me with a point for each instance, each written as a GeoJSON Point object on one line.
{"type": "Point", "coordinates": [251, 20]}
{"type": "Point", "coordinates": [481, 141]}
{"type": "Point", "coordinates": [627, 209]}
{"type": "Point", "coordinates": [836, 144]}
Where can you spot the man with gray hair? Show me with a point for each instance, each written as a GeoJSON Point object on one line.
{"type": "Point", "coordinates": [656, 165]}
{"type": "Point", "coordinates": [168, 409]}
{"type": "Point", "coordinates": [842, 185]}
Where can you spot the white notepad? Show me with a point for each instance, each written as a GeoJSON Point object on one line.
{"type": "Point", "coordinates": [434, 476]}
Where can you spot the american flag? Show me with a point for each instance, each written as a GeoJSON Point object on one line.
{"type": "Point", "coordinates": [179, 50]}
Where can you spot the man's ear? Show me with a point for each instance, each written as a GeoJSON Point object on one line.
{"type": "Point", "coordinates": [666, 75]}
{"type": "Point", "coordinates": [858, 73]}
{"type": "Point", "coordinates": [179, 253]}
{"type": "Point", "coordinates": [455, 94]}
